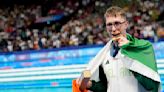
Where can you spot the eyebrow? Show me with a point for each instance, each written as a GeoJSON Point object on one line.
{"type": "Point", "coordinates": [114, 22]}
{"type": "Point", "coordinates": [110, 23]}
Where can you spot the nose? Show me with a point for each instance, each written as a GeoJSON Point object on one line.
{"type": "Point", "coordinates": [113, 28]}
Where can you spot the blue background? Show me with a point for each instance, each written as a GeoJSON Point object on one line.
{"type": "Point", "coordinates": [54, 57]}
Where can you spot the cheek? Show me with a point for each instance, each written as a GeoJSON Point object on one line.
{"type": "Point", "coordinates": [123, 30]}
{"type": "Point", "coordinates": [108, 31]}
{"type": "Point", "coordinates": [125, 26]}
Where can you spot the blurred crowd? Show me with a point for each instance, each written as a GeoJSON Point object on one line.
{"type": "Point", "coordinates": [87, 27]}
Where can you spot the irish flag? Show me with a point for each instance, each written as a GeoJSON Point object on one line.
{"type": "Point", "coordinates": [138, 56]}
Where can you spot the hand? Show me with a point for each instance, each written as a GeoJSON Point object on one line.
{"type": "Point", "coordinates": [121, 40]}
{"type": "Point", "coordinates": [89, 84]}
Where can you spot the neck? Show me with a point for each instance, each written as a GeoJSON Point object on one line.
{"type": "Point", "coordinates": [115, 43]}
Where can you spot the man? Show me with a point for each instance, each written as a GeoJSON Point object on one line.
{"type": "Point", "coordinates": [125, 64]}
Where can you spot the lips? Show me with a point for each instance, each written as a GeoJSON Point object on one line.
{"type": "Point", "coordinates": [116, 35]}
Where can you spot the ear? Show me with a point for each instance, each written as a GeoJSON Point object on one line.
{"type": "Point", "coordinates": [126, 24]}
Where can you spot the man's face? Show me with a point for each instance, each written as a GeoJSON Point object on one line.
{"type": "Point", "coordinates": [116, 26]}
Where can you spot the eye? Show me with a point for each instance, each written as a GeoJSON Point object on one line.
{"type": "Point", "coordinates": [117, 23]}
{"type": "Point", "coordinates": [109, 24]}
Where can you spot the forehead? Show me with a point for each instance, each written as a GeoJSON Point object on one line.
{"type": "Point", "coordinates": [111, 19]}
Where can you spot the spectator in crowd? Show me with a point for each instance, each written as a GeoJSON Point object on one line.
{"type": "Point", "coordinates": [86, 27]}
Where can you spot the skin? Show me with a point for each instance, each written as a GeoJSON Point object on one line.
{"type": "Point", "coordinates": [118, 35]}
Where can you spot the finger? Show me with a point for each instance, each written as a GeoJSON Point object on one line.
{"type": "Point", "coordinates": [120, 39]}
{"type": "Point", "coordinates": [77, 81]}
{"type": "Point", "coordinates": [120, 44]}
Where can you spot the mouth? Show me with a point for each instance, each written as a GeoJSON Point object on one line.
{"type": "Point", "coordinates": [116, 35]}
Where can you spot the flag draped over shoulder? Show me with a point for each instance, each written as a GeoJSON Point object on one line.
{"type": "Point", "coordinates": [138, 56]}
{"type": "Point", "coordinates": [141, 51]}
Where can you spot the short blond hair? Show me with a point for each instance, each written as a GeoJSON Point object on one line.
{"type": "Point", "coordinates": [115, 11]}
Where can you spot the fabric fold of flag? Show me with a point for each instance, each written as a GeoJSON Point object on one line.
{"type": "Point", "coordinates": [75, 87]}
{"type": "Point", "coordinates": [137, 56]}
